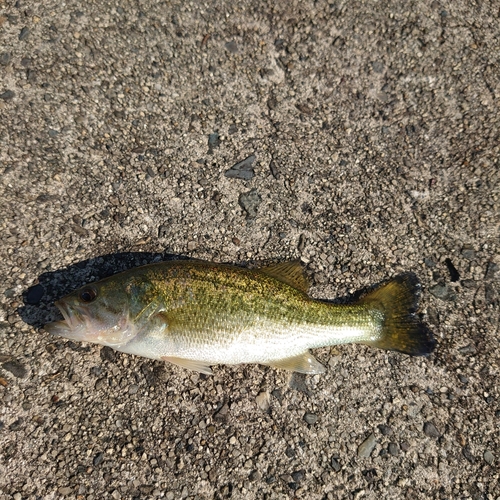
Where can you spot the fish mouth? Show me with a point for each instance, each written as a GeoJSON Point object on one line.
{"type": "Point", "coordinates": [73, 324]}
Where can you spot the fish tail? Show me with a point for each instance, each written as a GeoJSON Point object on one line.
{"type": "Point", "coordinates": [402, 329]}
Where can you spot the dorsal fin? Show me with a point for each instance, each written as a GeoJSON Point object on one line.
{"type": "Point", "coordinates": [291, 273]}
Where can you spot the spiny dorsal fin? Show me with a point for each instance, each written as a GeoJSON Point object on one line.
{"type": "Point", "coordinates": [291, 273]}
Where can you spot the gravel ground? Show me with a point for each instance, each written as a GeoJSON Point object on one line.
{"type": "Point", "coordinates": [362, 137]}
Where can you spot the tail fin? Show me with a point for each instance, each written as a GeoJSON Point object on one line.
{"type": "Point", "coordinates": [402, 329]}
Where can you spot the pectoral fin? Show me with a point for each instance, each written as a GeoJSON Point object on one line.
{"type": "Point", "coordinates": [190, 364]}
{"type": "Point", "coordinates": [303, 363]}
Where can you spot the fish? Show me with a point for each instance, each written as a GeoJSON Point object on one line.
{"type": "Point", "coordinates": [197, 314]}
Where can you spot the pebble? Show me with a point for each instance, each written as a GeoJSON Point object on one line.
{"type": "Point", "coordinates": [491, 270]}
{"type": "Point", "coordinates": [335, 464]}
{"type": "Point", "coordinates": [385, 430]}
{"type": "Point", "coordinates": [98, 459]}
{"type": "Point", "coordinates": [310, 418]}
{"type": "Point", "coordinates": [468, 252]}
{"type": "Point", "coordinates": [24, 33]}
{"type": "Point", "coordinates": [16, 368]}
{"type": "Point", "coordinates": [5, 58]}
{"type": "Point", "coordinates": [429, 262]}
{"type": "Point", "coordinates": [232, 47]}
{"type": "Point", "coordinates": [213, 140]}
{"type": "Point", "coordinates": [393, 449]}
{"type": "Point", "coordinates": [250, 202]}
{"type": "Point", "coordinates": [262, 400]}
{"type": "Point", "coordinates": [366, 447]}
{"type": "Point", "coordinates": [7, 95]}
{"type": "Point", "coordinates": [468, 454]}
{"type": "Point", "coordinates": [242, 170]}
{"type": "Point", "coordinates": [298, 475]}
{"type": "Point", "coordinates": [65, 490]}
{"type": "Point", "coordinates": [274, 170]}
{"type": "Point", "coordinates": [431, 431]}
{"type": "Point", "coordinates": [488, 457]}
{"type": "Point", "coordinates": [442, 292]}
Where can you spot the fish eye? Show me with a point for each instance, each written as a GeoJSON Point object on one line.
{"type": "Point", "coordinates": [88, 295]}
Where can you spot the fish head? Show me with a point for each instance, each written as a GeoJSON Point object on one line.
{"type": "Point", "coordinates": [96, 313]}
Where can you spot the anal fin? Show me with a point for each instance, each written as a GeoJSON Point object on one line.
{"type": "Point", "coordinates": [303, 363]}
{"type": "Point", "coordinates": [190, 364]}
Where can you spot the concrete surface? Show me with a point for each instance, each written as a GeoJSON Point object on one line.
{"type": "Point", "coordinates": [375, 130]}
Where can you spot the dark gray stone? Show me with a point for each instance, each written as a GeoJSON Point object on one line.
{"type": "Point", "coordinates": [24, 33]}
{"type": "Point", "coordinates": [443, 292]}
{"type": "Point", "coordinates": [431, 431]}
{"type": "Point", "coordinates": [16, 368]}
{"type": "Point", "coordinates": [7, 95]}
{"type": "Point", "coordinates": [242, 170]}
{"type": "Point", "coordinates": [232, 47]}
{"type": "Point", "coordinates": [310, 418]}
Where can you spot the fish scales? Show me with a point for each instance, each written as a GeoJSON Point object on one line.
{"type": "Point", "coordinates": [196, 314]}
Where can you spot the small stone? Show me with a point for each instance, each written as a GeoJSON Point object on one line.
{"type": "Point", "coordinates": [242, 170]}
{"type": "Point", "coordinates": [405, 446]}
{"type": "Point", "coordinates": [213, 140]}
{"type": "Point", "coordinates": [81, 231]}
{"type": "Point", "coordinates": [393, 449]}
{"type": "Point", "coordinates": [24, 33]}
{"type": "Point", "coordinates": [65, 490]}
{"type": "Point", "coordinates": [366, 447]}
{"type": "Point", "coordinates": [98, 459]}
{"type": "Point", "coordinates": [34, 294]}
{"type": "Point", "coordinates": [7, 95]}
{"type": "Point", "coordinates": [272, 103]}
{"type": "Point", "coordinates": [16, 425]}
{"type": "Point", "coordinates": [304, 108]}
{"type": "Point", "coordinates": [385, 430]}
{"type": "Point", "coordinates": [255, 476]}
{"type": "Point", "coordinates": [491, 270]}
{"type": "Point", "coordinates": [488, 457]}
{"type": "Point", "coordinates": [302, 242]}
{"type": "Point", "coordinates": [274, 170]}
{"type": "Point", "coordinates": [378, 67]}
{"type": "Point", "coordinates": [431, 431]}
{"type": "Point", "coordinates": [232, 47]}
{"type": "Point", "coordinates": [297, 476]}
{"type": "Point", "coordinates": [250, 202]}
{"type": "Point", "coordinates": [191, 245]}
{"type": "Point", "coordinates": [335, 464]}
{"type": "Point", "coordinates": [262, 400]}
{"type": "Point", "coordinates": [17, 369]}
{"type": "Point", "coordinates": [429, 262]}
{"type": "Point", "coordinates": [5, 58]}
{"type": "Point", "coordinates": [17, 496]}
{"type": "Point", "coordinates": [310, 418]}
{"type": "Point", "coordinates": [468, 252]}
{"type": "Point", "coordinates": [133, 389]}
{"type": "Point", "coordinates": [116, 495]}
{"type": "Point", "coordinates": [442, 292]}
{"type": "Point", "coordinates": [468, 454]}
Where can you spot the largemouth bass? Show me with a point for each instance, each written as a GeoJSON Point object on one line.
{"type": "Point", "coordinates": [196, 314]}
